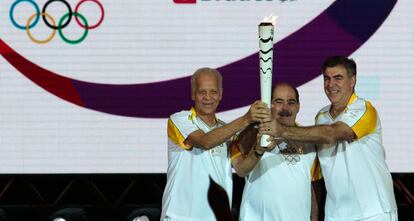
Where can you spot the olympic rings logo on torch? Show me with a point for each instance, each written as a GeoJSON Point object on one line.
{"type": "Point", "coordinates": [62, 23]}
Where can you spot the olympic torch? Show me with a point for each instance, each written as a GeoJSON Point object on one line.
{"type": "Point", "coordinates": [266, 28]}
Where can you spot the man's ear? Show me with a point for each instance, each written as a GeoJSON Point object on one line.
{"type": "Point", "coordinates": [353, 80]}
{"type": "Point", "coordinates": [221, 94]}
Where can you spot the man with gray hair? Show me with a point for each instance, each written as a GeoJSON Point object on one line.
{"type": "Point", "coordinates": [197, 149]}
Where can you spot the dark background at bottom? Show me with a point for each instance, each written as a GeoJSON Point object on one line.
{"type": "Point", "coordinates": [110, 197]}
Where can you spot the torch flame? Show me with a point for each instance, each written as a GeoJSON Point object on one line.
{"type": "Point", "coordinates": [270, 19]}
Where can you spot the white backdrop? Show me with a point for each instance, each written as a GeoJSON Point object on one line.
{"type": "Point", "coordinates": [159, 40]}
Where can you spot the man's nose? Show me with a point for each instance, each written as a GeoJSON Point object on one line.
{"type": "Point", "coordinates": [331, 83]}
{"type": "Point", "coordinates": [208, 96]}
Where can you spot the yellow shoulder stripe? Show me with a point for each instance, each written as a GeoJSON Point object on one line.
{"type": "Point", "coordinates": [367, 123]}
{"type": "Point", "coordinates": [316, 173]}
{"type": "Point", "coordinates": [234, 150]}
{"type": "Point", "coordinates": [175, 135]}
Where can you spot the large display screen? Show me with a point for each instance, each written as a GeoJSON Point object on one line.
{"type": "Point", "coordinates": [88, 86]}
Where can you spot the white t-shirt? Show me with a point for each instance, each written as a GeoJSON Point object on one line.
{"type": "Point", "coordinates": [357, 179]}
{"type": "Point", "coordinates": [189, 169]}
{"type": "Point", "coordinates": [279, 187]}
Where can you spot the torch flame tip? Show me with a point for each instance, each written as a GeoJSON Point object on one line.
{"type": "Point", "coordinates": [270, 19]}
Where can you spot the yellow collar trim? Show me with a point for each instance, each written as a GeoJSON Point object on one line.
{"type": "Point", "coordinates": [193, 115]}
{"type": "Point", "coordinates": [352, 98]}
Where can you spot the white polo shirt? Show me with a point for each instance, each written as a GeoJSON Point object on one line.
{"type": "Point", "coordinates": [357, 179]}
{"type": "Point", "coordinates": [189, 168]}
{"type": "Point", "coordinates": [279, 187]}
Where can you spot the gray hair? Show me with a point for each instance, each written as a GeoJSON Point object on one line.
{"type": "Point", "coordinates": [209, 71]}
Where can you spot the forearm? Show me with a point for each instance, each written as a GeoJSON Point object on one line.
{"type": "Point", "coordinates": [244, 164]}
{"type": "Point", "coordinates": [222, 134]}
{"type": "Point", "coordinates": [321, 134]}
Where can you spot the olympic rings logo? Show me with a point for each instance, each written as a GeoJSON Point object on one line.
{"type": "Point", "coordinates": [51, 22]}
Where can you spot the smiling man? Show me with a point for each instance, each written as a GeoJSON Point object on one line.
{"type": "Point", "coordinates": [197, 150]}
{"type": "Point", "coordinates": [277, 179]}
{"type": "Point", "coordinates": [352, 157]}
